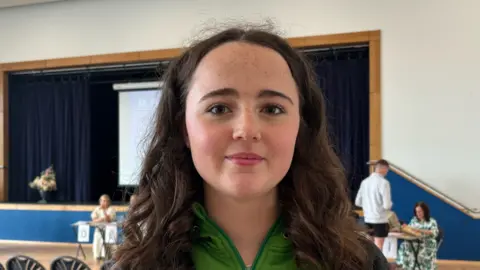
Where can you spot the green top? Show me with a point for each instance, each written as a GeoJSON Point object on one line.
{"type": "Point", "coordinates": [213, 249]}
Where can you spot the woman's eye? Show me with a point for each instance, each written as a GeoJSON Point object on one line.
{"type": "Point", "coordinates": [219, 109]}
{"type": "Point", "coordinates": [273, 109]}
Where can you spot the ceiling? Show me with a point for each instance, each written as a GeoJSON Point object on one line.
{"type": "Point", "coordinates": [16, 3]}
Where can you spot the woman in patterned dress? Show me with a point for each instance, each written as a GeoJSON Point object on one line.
{"type": "Point", "coordinates": [427, 251]}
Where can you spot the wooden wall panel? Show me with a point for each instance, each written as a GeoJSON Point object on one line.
{"type": "Point", "coordinates": [3, 135]}
{"type": "Point", "coordinates": [28, 65]}
{"type": "Point", "coordinates": [331, 40]}
{"type": "Point", "coordinates": [375, 97]}
{"type": "Point", "coordinates": [69, 62]}
{"type": "Point", "coordinates": [375, 127]}
{"type": "Point", "coordinates": [159, 54]}
{"type": "Point", "coordinates": [119, 58]}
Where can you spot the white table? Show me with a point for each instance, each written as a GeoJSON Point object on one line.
{"type": "Point", "coordinates": [103, 227]}
{"type": "Point", "coordinates": [390, 247]}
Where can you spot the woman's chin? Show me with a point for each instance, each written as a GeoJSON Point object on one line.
{"type": "Point", "coordinates": [243, 186]}
{"type": "Point", "coordinates": [246, 192]}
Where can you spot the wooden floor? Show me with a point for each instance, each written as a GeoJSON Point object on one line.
{"type": "Point", "coordinates": [45, 253]}
{"type": "Point", "coordinates": [455, 265]}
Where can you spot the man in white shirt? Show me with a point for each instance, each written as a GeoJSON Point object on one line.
{"type": "Point", "coordinates": [375, 198]}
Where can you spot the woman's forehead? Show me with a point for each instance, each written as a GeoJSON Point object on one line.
{"type": "Point", "coordinates": [241, 55]}
{"type": "Point", "coordinates": [243, 65]}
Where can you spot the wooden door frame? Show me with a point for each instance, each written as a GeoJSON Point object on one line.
{"type": "Point", "coordinates": [372, 38]}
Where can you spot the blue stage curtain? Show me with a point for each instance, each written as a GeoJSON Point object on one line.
{"type": "Point", "coordinates": [104, 140]}
{"type": "Point", "coordinates": [49, 121]}
{"type": "Point", "coordinates": [343, 76]}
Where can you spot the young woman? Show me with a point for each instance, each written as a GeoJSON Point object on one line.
{"type": "Point", "coordinates": [240, 173]}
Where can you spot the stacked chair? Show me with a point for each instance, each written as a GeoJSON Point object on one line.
{"type": "Point", "coordinates": [68, 263]}
{"type": "Point", "coordinates": [21, 262]}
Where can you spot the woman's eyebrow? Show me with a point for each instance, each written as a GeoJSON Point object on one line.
{"type": "Point", "coordinates": [222, 92]}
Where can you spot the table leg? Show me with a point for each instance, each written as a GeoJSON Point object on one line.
{"type": "Point", "coordinates": [106, 246]}
{"type": "Point", "coordinates": [83, 252]}
{"type": "Point", "coordinates": [415, 250]}
{"type": "Point", "coordinates": [79, 246]}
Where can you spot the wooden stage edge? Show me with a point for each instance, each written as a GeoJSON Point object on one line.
{"type": "Point", "coordinates": [44, 244]}
{"type": "Point", "coordinates": [71, 207]}
{"type": "Point", "coordinates": [56, 207]}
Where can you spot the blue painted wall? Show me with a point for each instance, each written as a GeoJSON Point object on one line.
{"type": "Point", "coordinates": [462, 233]}
{"type": "Point", "coordinates": [45, 226]}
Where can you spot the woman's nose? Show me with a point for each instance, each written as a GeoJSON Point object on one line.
{"type": "Point", "coordinates": [247, 126]}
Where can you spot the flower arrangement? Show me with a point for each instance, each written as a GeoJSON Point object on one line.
{"type": "Point", "coordinates": [46, 181]}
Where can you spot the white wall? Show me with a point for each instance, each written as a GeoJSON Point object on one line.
{"type": "Point", "coordinates": [430, 53]}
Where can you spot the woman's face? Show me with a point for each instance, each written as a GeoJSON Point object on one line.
{"type": "Point", "coordinates": [104, 202]}
{"type": "Point", "coordinates": [242, 119]}
{"type": "Point", "coordinates": [419, 213]}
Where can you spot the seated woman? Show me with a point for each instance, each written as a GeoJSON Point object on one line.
{"type": "Point", "coordinates": [427, 251]}
{"type": "Point", "coordinates": [103, 213]}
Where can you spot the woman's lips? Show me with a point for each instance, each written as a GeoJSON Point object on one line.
{"type": "Point", "coordinates": [245, 159]}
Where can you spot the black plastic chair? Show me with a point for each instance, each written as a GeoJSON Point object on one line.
{"type": "Point", "coordinates": [68, 263]}
{"type": "Point", "coordinates": [21, 262]}
{"type": "Point", "coordinates": [439, 238]}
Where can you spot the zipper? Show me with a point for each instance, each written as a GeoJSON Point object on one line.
{"type": "Point", "coordinates": [264, 244]}
{"type": "Point", "coordinates": [229, 242]}
{"type": "Point", "coordinates": [235, 250]}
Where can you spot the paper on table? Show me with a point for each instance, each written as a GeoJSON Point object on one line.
{"type": "Point", "coordinates": [83, 234]}
{"type": "Point", "coordinates": [111, 233]}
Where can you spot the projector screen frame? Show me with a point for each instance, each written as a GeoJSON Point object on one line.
{"type": "Point", "coordinates": [137, 86]}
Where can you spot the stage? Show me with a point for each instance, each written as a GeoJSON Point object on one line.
{"type": "Point", "coordinates": [45, 222]}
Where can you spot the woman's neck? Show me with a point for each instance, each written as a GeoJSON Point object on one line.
{"type": "Point", "coordinates": [246, 222]}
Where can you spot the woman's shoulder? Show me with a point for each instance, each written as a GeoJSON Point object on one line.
{"type": "Point", "coordinates": [375, 258]}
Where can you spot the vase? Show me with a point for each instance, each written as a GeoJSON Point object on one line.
{"type": "Point", "coordinates": [43, 195]}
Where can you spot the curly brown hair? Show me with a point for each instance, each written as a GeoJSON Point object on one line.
{"type": "Point", "coordinates": [313, 195]}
